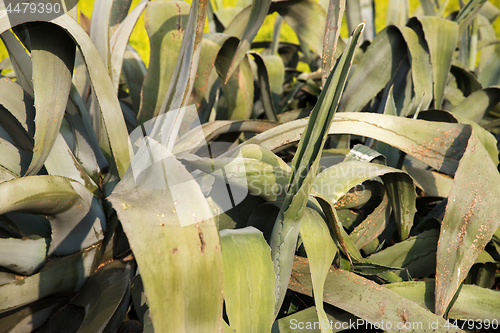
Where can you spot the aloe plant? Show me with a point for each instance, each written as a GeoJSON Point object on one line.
{"type": "Point", "coordinates": [221, 188]}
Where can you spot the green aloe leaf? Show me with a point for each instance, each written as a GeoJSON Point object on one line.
{"type": "Point", "coordinates": [367, 300]}
{"type": "Point", "coordinates": [99, 298]}
{"type": "Point", "coordinates": [66, 275]}
{"type": "Point", "coordinates": [473, 302]}
{"type": "Point", "coordinates": [227, 15]}
{"type": "Point", "coordinates": [433, 183]}
{"type": "Point", "coordinates": [76, 216]}
{"type": "Point", "coordinates": [469, 222]}
{"type": "Point", "coordinates": [99, 29]}
{"type": "Point", "coordinates": [402, 196]}
{"type": "Point", "coordinates": [239, 92]}
{"type": "Point", "coordinates": [258, 12]}
{"type": "Point", "coordinates": [253, 167]}
{"type": "Point", "coordinates": [164, 226]}
{"type": "Point", "coordinates": [53, 54]}
{"type": "Point", "coordinates": [21, 61]}
{"type": "Point", "coordinates": [332, 33]}
{"type": "Point", "coordinates": [268, 102]}
{"type": "Point", "coordinates": [134, 71]}
{"type": "Point", "coordinates": [211, 130]}
{"type": "Point", "coordinates": [22, 256]}
{"type": "Point", "coordinates": [29, 318]}
{"type": "Point", "coordinates": [467, 14]}
{"type": "Point", "coordinates": [320, 250]}
{"type": "Point", "coordinates": [421, 68]}
{"type": "Point", "coordinates": [304, 167]}
{"type": "Point", "coordinates": [205, 79]}
{"type": "Point", "coordinates": [397, 12]}
{"type": "Point", "coordinates": [119, 40]}
{"type": "Point", "coordinates": [378, 65]}
{"type": "Point", "coordinates": [101, 82]}
{"type": "Point", "coordinates": [439, 145]}
{"type": "Point", "coordinates": [335, 181]}
{"type": "Point", "coordinates": [86, 151]}
{"type": "Point", "coordinates": [490, 72]}
{"type": "Point", "coordinates": [441, 36]}
{"type": "Point", "coordinates": [183, 77]}
{"type": "Point", "coordinates": [417, 254]}
{"type": "Point", "coordinates": [298, 15]}
{"type": "Point", "coordinates": [19, 121]}
{"type": "Point", "coordinates": [248, 280]}
{"type": "Point", "coordinates": [476, 105]}
{"type": "Point", "coordinates": [372, 226]}
{"type": "Point", "coordinates": [165, 24]}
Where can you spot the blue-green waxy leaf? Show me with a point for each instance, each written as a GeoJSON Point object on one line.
{"type": "Point", "coordinates": [334, 182]}
{"type": "Point", "coordinates": [248, 280]}
{"type": "Point", "coordinates": [168, 223]}
{"type": "Point", "coordinates": [372, 226]}
{"type": "Point", "coordinates": [29, 318]}
{"type": "Point", "coordinates": [332, 33]}
{"type": "Point", "coordinates": [472, 304]}
{"type": "Point", "coordinates": [441, 36]}
{"type": "Point", "coordinates": [368, 300]}
{"type": "Point", "coordinates": [421, 68]}
{"type": "Point", "coordinates": [258, 13]}
{"type": "Point", "coordinates": [184, 74]}
{"type": "Point", "coordinates": [476, 105]}
{"type": "Point", "coordinates": [53, 54]}
{"type": "Point", "coordinates": [100, 297]}
{"type": "Point", "coordinates": [416, 254]}
{"type": "Point", "coordinates": [99, 29]}
{"type": "Point", "coordinates": [103, 87]}
{"type": "Point", "coordinates": [268, 102]}
{"type": "Point", "coordinates": [239, 93]}
{"type": "Point", "coordinates": [307, 19]}
{"type": "Point", "coordinates": [65, 275]}
{"type": "Point", "coordinates": [76, 216]}
{"type": "Point", "coordinates": [19, 122]}
{"type": "Point", "coordinates": [101, 82]}
{"type": "Point", "coordinates": [304, 167]}
{"type": "Point", "coordinates": [489, 75]}
{"type": "Point", "coordinates": [320, 250]}
{"type": "Point", "coordinates": [22, 256]}
{"type": "Point", "coordinates": [470, 220]}
{"type": "Point", "coordinates": [119, 41]}
{"type": "Point", "coordinates": [21, 61]}
{"type": "Point", "coordinates": [441, 146]}
{"type": "Point", "coordinates": [402, 197]}
{"type": "Point", "coordinates": [378, 65]}
{"type": "Point", "coordinates": [165, 23]}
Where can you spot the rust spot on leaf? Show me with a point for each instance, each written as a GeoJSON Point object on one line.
{"type": "Point", "coordinates": [202, 241]}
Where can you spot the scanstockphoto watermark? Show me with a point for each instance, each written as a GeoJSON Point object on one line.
{"type": "Point", "coordinates": [224, 175]}
{"type": "Point", "coordinates": [450, 325]}
{"type": "Point", "coordinates": [359, 324]}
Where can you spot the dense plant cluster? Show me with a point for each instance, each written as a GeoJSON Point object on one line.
{"type": "Point", "coordinates": [222, 188]}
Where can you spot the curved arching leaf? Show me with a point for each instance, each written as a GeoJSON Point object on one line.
{"type": "Point", "coordinates": [378, 65]}
{"type": "Point", "coordinates": [441, 36]}
{"type": "Point", "coordinates": [119, 40]}
{"type": "Point", "coordinates": [321, 251]}
{"type": "Point", "coordinates": [53, 55]}
{"type": "Point", "coordinates": [248, 280]}
{"type": "Point", "coordinates": [168, 223]}
{"type": "Point", "coordinates": [258, 12]}
{"type": "Point", "coordinates": [470, 220]}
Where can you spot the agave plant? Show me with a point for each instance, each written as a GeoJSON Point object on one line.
{"type": "Point", "coordinates": [222, 189]}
